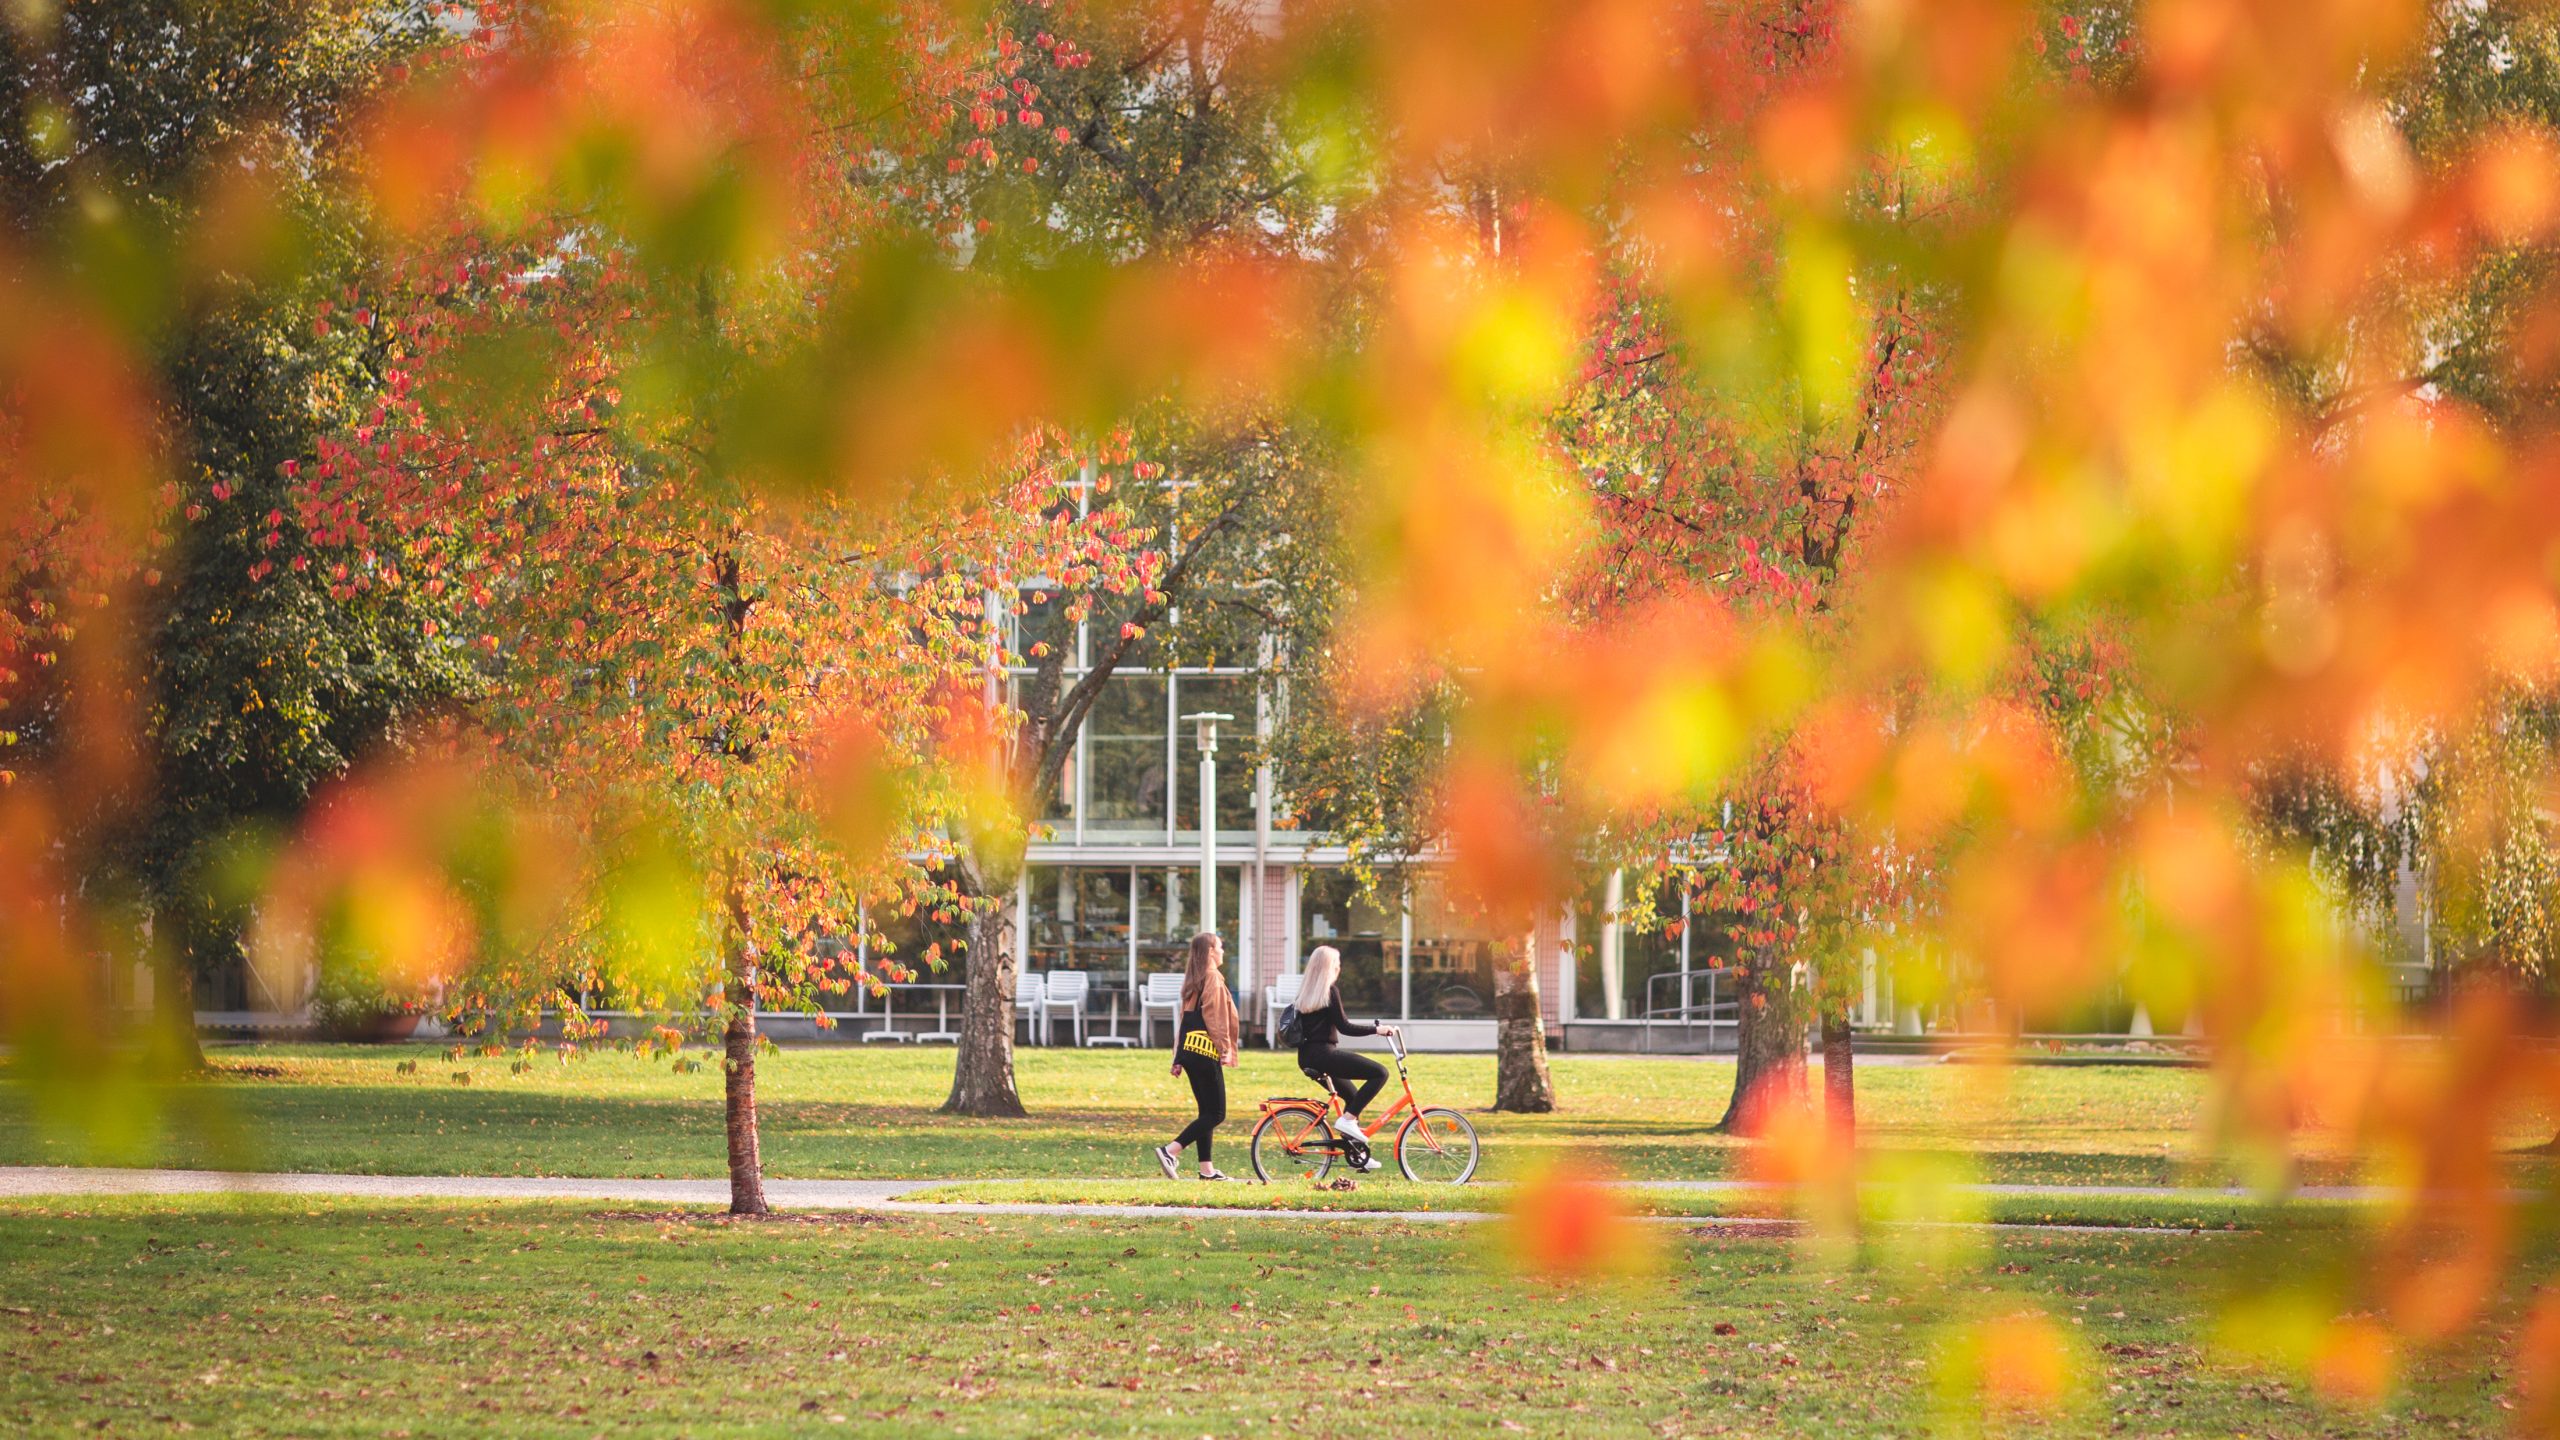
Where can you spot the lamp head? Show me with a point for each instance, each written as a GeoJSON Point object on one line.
{"type": "Point", "coordinates": [1208, 723]}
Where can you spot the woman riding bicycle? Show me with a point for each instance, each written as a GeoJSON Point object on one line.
{"type": "Point", "coordinates": [1322, 1025]}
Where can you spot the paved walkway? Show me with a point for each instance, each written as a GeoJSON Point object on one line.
{"type": "Point", "coordinates": [18, 1181]}
{"type": "Point", "coordinates": [888, 1195]}
{"type": "Point", "coordinates": [29, 1181]}
{"type": "Point", "coordinates": [2137, 1192]}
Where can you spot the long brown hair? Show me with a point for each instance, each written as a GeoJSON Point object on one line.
{"type": "Point", "coordinates": [1197, 974]}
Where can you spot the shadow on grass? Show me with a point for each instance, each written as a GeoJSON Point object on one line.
{"type": "Point", "coordinates": [432, 1128]}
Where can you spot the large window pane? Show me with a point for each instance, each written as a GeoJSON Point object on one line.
{"type": "Point", "coordinates": [1049, 917]}
{"type": "Point", "coordinates": [930, 942]}
{"type": "Point", "coordinates": [1648, 945]}
{"type": "Point", "coordinates": [1125, 740]}
{"type": "Point", "coordinates": [1165, 913]}
{"type": "Point", "coordinates": [1165, 902]}
{"type": "Point", "coordinates": [1169, 915]}
{"type": "Point", "coordinates": [1231, 917]}
{"type": "Point", "coordinates": [1098, 941]}
{"type": "Point", "coordinates": [1040, 631]}
{"type": "Point", "coordinates": [1078, 919]}
{"type": "Point", "coordinates": [1216, 694]}
{"type": "Point", "coordinates": [1043, 629]}
{"type": "Point", "coordinates": [932, 939]}
{"type": "Point", "coordinates": [1059, 809]}
{"type": "Point", "coordinates": [1711, 953]}
{"type": "Point", "coordinates": [1370, 938]}
{"type": "Point", "coordinates": [1106, 642]}
{"type": "Point", "coordinates": [1056, 808]}
{"type": "Point", "coordinates": [1591, 916]}
{"type": "Point", "coordinates": [1452, 959]}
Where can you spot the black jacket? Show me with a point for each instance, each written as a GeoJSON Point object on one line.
{"type": "Point", "coordinates": [1321, 1028]}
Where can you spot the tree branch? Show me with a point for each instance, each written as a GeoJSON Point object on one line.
{"type": "Point", "coordinates": [1079, 701]}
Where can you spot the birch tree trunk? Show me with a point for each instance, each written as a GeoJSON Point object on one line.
{"type": "Point", "coordinates": [1521, 1083]}
{"type": "Point", "coordinates": [982, 1073]}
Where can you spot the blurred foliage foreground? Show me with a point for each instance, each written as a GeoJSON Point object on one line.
{"type": "Point", "coordinates": [2062, 494]}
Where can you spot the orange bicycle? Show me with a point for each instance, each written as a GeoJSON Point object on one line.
{"type": "Point", "coordinates": [1295, 1136]}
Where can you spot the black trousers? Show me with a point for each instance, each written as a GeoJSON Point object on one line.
{"type": "Point", "coordinates": [1358, 1077]}
{"type": "Point", "coordinates": [1209, 1090]}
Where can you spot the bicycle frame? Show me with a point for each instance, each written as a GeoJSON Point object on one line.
{"type": "Point", "coordinates": [1404, 1102]}
{"type": "Point", "coordinates": [1333, 1106]}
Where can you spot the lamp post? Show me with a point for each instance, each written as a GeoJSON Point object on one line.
{"type": "Point", "coordinates": [1208, 723]}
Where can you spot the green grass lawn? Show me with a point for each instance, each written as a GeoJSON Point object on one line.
{"type": "Point", "coordinates": [282, 1317]}
{"type": "Point", "coordinates": [870, 1113]}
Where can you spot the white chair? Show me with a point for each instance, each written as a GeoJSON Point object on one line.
{"type": "Point", "coordinates": [1031, 1007]}
{"type": "Point", "coordinates": [1067, 991]}
{"type": "Point", "coordinates": [888, 1028]}
{"type": "Point", "coordinates": [1163, 992]}
{"type": "Point", "coordinates": [1277, 996]}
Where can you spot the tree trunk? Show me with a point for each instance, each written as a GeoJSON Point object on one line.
{"type": "Point", "coordinates": [1769, 1048]}
{"type": "Point", "coordinates": [1521, 1084]}
{"type": "Point", "coordinates": [174, 1040]}
{"type": "Point", "coordinates": [1839, 1074]}
{"type": "Point", "coordinates": [746, 1160]}
{"type": "Point", "coordinates": [746, 1163]}
{"type": "Point", "coordinates": [982, 1072]}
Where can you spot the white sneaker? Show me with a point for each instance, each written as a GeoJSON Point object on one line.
{"type": "Point", "coordinates": [1373, 1163]}
{"type": "Point", "coordinates": [1166, 1156]}
{"type": "Point", "coordinates": [1348, 1126]}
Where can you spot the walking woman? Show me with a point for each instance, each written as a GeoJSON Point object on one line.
{"type": "Point", "coordinates": [1322, 1025]}
{"type": "Point", "coordinates": [1204, 1045]}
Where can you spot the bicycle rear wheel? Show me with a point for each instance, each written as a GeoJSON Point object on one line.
{"type": "Point", "coordinates": [1438, 1147]}
{"type": "Point", "coordinates": [1288, 1145]}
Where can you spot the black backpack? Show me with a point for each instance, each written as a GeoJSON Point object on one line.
{"type": "Point", "coordinates": [1293, 1026]}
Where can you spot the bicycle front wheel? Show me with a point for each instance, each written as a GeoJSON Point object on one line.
{"type": "Point", "coordinates": [1438, 1147]}
{"type": "Point", "coordinates": [1287, 1145]}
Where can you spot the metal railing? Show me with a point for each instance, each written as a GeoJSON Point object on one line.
{"type": "Point", "coordinates": [1687, 1010]}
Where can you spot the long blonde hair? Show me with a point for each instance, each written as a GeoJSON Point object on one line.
{"type": "Point", "coordinates": [1316, 986]}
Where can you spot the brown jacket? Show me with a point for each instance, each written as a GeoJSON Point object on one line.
{"type": "Point", "coordinates": [1217, 1007]}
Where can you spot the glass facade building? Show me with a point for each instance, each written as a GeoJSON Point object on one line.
{"type": "Point", "coordinates": [1111, 887]}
